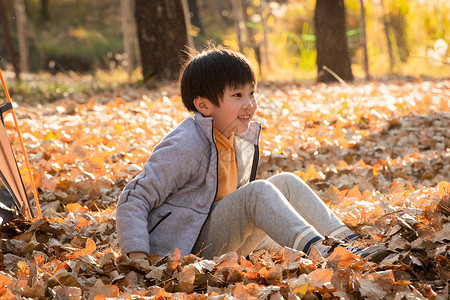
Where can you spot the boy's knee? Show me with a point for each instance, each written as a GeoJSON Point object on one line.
{"type": "Point", "coordinates": [263, 187]}
{"type": "Point", "coordinates": [286, 178]}
{"type": "Point", "coordinates": [288, 182]}
{"type": "Point", "coordinates": [262, 184]}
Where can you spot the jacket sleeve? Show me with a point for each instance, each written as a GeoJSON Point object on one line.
{"type": "Point", "coordinates": [169, 167]}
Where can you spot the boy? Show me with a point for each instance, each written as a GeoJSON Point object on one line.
{"type": "Point", "coordinates": [197, 192]}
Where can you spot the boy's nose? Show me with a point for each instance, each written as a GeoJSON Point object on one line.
{"type": "Point", "coordinates": [251, 103]}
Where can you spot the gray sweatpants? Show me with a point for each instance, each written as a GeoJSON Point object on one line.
{"type": "Point", "coordinates": [281, 210]}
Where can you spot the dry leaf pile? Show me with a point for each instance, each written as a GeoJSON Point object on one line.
{"type": "Point", "coordinates": [378, 154]}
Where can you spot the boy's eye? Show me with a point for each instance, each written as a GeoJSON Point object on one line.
{"type": "Point", "coordinates": [237, 95]}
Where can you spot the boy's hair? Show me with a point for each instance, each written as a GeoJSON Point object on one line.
{"type": "Point", "coordinates": [209, 73]}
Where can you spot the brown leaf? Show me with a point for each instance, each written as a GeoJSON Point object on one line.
{"type": "Point", "coordinates": [186, 274]}
{"type": "Point", "coordinates": [173, 261]}
{"type": "Point", "coordinates": [100, 289]}
{"type": "Point", "coordinates": [88, 250]}
{"type": "Point", "coordinates": [444, 205]}
{"type": "Point", "coordinates": [66, 278]}
{"type": "Point", "coordinates": [320, 276]}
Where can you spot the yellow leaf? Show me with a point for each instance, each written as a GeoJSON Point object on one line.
{"type": "Point", "coordinates": [50, 136]}
{"type": "Point", "coordinates": [286, 107]}
{"type": "Point", "coordinates": [118, 128]}
{"type": "Point", "coordinates": [300, 285]}
{"type": "Point", "coordinates": [302, 175]}
{"type": "Point", "coordinates": [22, 265]}
{"type": "Point", "coordinates": [343, 165]}
{"type": "Point", "coordinates": [312, 173]}
{"type": "Point", "coordinates": [444, 188]}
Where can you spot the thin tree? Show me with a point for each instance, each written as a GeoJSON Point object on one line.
{"type": "Point", "coordinates": [127, 28]}
{"type": "Point", "coordinates": [239, 23]}
{"type": "Point", "coordinates": [263, 12]}
{"type": "Point", "coordinates": [364, 39]}
{"type": "Point", "coordinates": [45, 15]}
{"type": "Point", "coordinates": [195, 15]}
{"type": "Point", "coordinates": [187, 21]}
{"type": "Point", "coordinates": [9, 42]}
{"type": "Point", "coordinates": [388, 39]}
{"type": "Point", "coordinates": [331, 41]}
{"type": "Point", "coordinates": [163, 37]}
{"type": "Point", "coordinates": [24, 54]}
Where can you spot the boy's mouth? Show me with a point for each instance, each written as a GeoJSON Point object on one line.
{"type": "Point", "coordinates": [245, 117]}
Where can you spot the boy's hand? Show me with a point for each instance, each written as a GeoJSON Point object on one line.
{"type": "Point", "coordinates": [137, 255]}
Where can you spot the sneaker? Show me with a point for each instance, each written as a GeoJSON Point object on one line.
{"type": "Point", "coordinates": [375, 253]}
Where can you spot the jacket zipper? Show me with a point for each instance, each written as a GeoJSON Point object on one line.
{"type": "Point", "coordinates": [217, 165]}
{"type": "Point", "coordinates": [255, 158]}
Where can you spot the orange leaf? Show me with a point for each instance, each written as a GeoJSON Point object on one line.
{"type": "Point", "coordinates": [83, 222]}
{"type": "Point", "coordinates": [342, 257]}
{"type": "Point", "coordinates": [22, 265]}
{"type": "Point", "coordinates": [73, 207]}
{"type": "Point", "coordinates": [354, 193]}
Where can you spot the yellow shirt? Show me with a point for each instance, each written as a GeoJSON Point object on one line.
{"type": "Point", "coordinates": [227, 165]}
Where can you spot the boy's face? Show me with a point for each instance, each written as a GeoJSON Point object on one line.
{"type": "Point", "coordinates": [236, 110]}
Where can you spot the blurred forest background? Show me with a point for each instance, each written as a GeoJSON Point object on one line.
{"type": "Point", "coordinates": [99, 38]}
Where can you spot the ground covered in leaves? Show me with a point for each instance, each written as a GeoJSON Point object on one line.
{"type": "Point", "coordinates": [377, 153]}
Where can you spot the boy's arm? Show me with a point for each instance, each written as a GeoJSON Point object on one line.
{"type": "Point", "coordinates": [169, 167]}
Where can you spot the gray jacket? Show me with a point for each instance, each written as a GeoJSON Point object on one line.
{"type": "Point", "coordinates": [166, 205]}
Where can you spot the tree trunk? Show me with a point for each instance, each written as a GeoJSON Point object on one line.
{"type": "Point", "coordinates": [45, 15]}
{"type": "Point", "coordinates": [9, 42]}
{"type": "Point", "coordinates": [388, 39]}
{"type": "Point", "coordinates": [364, 40]}
{"type": "Point", "coordinates": [162, 36]}
{"type": "Point", "coordinates": [24, 54]}
{"type": "Point", "coordinates": [127, 26]}
{"type": "Point", "coordinates": [331, 41]}
{"type": "Point", "coordinates": [187, 21]}
{"type": "Point", "coordinates": [263, 7]}
{"type": "Point", "coordinates": [239, 23]}
{"type": "Point", "coordinates": [194, 15]}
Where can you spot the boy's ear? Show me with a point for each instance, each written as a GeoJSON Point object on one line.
{"type": "Point", "coordinates": [203, 105]}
